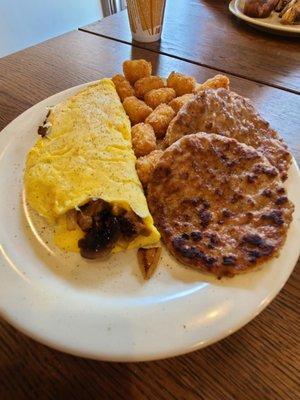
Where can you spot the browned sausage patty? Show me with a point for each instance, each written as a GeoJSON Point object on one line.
{"type": "Point", "coordinates": [219, 204]}
{"type": "Point", "coordinates": [224, 112]}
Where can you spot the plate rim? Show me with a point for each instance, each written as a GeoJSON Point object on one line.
{"type": "Point", "coordinates": [146, 356]}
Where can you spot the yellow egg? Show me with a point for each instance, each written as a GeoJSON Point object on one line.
{"type": "Point", "coordinates": [86, 154]}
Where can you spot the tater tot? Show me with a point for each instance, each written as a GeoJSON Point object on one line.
{"type": "Point", "coordinates": [118, 79]}
{"type": "Point", "coordinates": [160, 118]}
{"type": "Point", "coordinates": [218, 81]}
{"type": "Point", "coordinates": [146, 165]}
{"type": "Point", "coordinates": [143, 139]}
{"type": "Point", "coordinates": [144, 85]}
{"type": "Point", "coordinates": [136, 109]}
{"type": "Point", "coordinates": [180, 101]}
{"type": "Point", "coordinates": [159, 96]}
{"type": "Point", "coordinates": [136, 69]}
{"type": "Point", "coordinates": [182, 84]}
{"type": "Point", "coordinates": [123, 87]}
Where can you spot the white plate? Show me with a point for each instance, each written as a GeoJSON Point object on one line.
{"type": "Point", "coordinates": [272, 23]}
{"type": "Point", "coordinates": [105, 310]}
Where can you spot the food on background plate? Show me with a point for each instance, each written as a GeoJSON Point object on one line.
{"type": "Point", "coordinates": [289, 10]}
{"type": "Point", "coordinates": [143, 139]}
{"type": "Point", "coordinates": [219, 204]}
{"type": "Point", "coordinates": [81, 176]}
{"type": "Point", "coordinates": [291, 13]}
{"type": "Point", "coordinates": [259, 8]}
{"type": "Point", "coordinates": [225, 112]}
{"type": "Point", "coordinates": [281, 5]}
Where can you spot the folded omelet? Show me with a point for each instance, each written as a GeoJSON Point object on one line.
{"type": "Point", "coordinates": [86, 155]}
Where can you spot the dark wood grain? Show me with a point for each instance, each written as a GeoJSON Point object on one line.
{"type": "Point", "coordinates": [205, 33]}
{"type": "Point", "coordinates": [261, 361]}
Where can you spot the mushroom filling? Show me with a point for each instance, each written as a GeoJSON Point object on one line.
{"type": "Point", "coordinates": [104, 225]}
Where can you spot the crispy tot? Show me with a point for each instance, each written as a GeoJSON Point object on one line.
{"type": "Point", "coordinates": [118, 79]}
{"type": "Point", "coordinates": [143, 139]}
{"type": "Point", "coordinates": [159, 96]}
{"type": "Point", "coordinates": [123, 87]}
{"type": "Point", "coordinates": [125, 90]}
{"type": "Point", "coordinates": [160, 118]}
{"type": "Point", "coordinates": [136, 69]}
{"type": "Point", "coordinates": [146, 165]}
{"type": "Point", "coordinates": [218, 81]}
{"type": "Point", "coordinates": [136, 109]}
{"type": "Point", "coordinates": [144, 85]}
{"type": "Point", "coordinates": [182, 84]}
{"type": "Point", "coordinates": [180, 101]}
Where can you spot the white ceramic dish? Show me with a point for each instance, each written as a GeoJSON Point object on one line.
{"type": "Point", "coordinates": [272, 23]}
{"type": "Point", "coordinates": [105, 310]}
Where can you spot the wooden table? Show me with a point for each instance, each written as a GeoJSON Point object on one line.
{"type": "Point", "coordinates": [259, 362]}
{"type": "Point", "coordinates": [204, 33]}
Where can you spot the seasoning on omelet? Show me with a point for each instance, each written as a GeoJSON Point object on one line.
{"type": "Point", "coordinates": [81, 176]}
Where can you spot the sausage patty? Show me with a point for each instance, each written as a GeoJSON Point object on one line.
{"type": "Point", "coordinates": [226, 113]}
{"type": "Point", "coordinates": [219, 204]}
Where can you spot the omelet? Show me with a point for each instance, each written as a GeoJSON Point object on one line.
{"type": "Point", "coordinates": [81, 176]}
